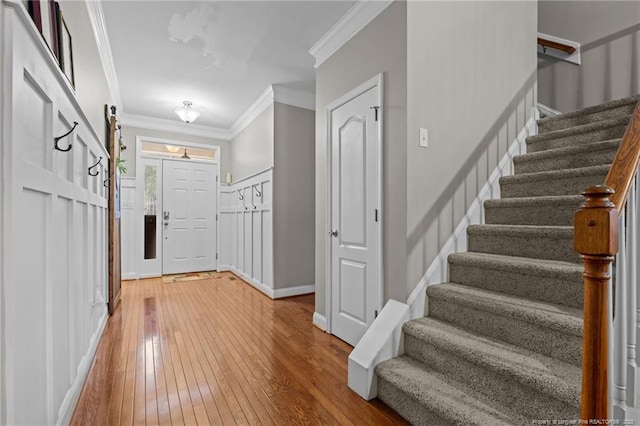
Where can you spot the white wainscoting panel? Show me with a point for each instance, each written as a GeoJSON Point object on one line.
{"type": "Point", "coordinates": [54, 245]}
{"type": "Point", "coordinates": [246, 240]}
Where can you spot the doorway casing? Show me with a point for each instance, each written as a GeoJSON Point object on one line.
{"type": "Point", "coordinates": [138, 210]}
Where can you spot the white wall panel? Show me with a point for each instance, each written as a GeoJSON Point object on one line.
{"type": "Point", "coordinates": [54, 249]}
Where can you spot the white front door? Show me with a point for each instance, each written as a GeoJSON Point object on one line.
{"type": "Point", "coordinates": [354, 234]}
{"type": "Point", "coordinates": [189, 216]}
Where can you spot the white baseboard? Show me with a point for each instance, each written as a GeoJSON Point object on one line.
{"type": "Point", "coordinates": [257, 284]}
{"type": "Point", "coordinates": [128, 276]}
{"type": "Point", "coordinates": [320, 321]}
{"type": "Point", "coordinates": [71, 398]}
{"type": "Point", "coordinates": [437, 272]}
{"type": "Point", "coordinates": [294, 291]}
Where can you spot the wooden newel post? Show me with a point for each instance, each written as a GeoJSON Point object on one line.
{"type": "Point", "coordinates": [596, 239]}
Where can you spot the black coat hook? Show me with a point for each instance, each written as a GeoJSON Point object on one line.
{"type": "Point", "coordinates": [56, 140]}
{"type": "Point", "coordinates": [95, 165]}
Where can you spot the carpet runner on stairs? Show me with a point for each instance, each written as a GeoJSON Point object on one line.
{"type": "Point", "coordinates": [502, 341]}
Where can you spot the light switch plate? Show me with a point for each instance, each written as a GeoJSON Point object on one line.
{"type": "Point", "coordinates": [424, 138]}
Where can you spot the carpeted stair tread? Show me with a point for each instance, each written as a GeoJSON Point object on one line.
{"type": "Point", "coordinates": [538, 242]}
{"type": "Point", "coordinates": [544, 374]}
{"type": "Point", "coordinates": [426, 397]}
{"type": "Point", "coordinates": [546, 328]}
{"type": "Point", "coordinates": [553, 183]}
{"type": "Point", "coordinates": [612, 109]}
{"type": "Point", "coordinates": [576, 156]}
{"type": "Point", "coordinates": [548, 281]}
{"type": "Point", "coordinates": [593, 132]}
{"type": "Point", "coordinates": [550, 210]}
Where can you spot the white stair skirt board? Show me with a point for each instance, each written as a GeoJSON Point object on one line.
{"type": "Point", "coordinates": [71, 398]}
{"type": "Point", "coordinates": [373, 350]}
{"type": "Point", "coordinates": [382, 341]}
{"type": "Point", "coordinates": [320, 321]}
{"type": "Point", "coordinates": [548, 111]}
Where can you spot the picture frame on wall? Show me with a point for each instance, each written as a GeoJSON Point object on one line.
{"type": "Point", "coordinates": [44, 14]}
{"type": "Point", "coordinates": [65, 49]}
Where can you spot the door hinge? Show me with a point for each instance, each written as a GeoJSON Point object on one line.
{"type": "Point", "coordinates": [376, 214]}
{"type": "Point", "coordinates": [375, 314]}
{"type": "Point", "coordinates": [375, 108]}
{"type": "Point", "coordinates": [216, 256]}
{"type": "Point", "coordinates": [216, 217]}
{"type": "Point", "coordinates": [217, 178]}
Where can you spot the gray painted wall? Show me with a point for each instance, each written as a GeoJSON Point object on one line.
{"type": "Point", "coordinates": [609, 35]}
{"type": "Point", "coordinates": [252, 149]}
{"type": "Point", "coordinates": [92, 89]}
{"type": "Point", "coordinates": [129, 137]}
{"type": "Point", "coordinates": [380, 47]}
{"type": "Point", "coordinates": [473, 93]}
{"type": "Point", "coordinates": [294, 196]}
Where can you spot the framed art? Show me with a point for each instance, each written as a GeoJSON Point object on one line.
{"type": "Point", "coordinates": [65, 49]}
{"type": "Point", "coordinates": [45, 15]}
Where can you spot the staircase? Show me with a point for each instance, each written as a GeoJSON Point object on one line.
{"type": "Point", "coordinates": [502, 341]}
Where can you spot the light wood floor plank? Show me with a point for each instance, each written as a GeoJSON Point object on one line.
{"type": "Point", "coordinates": [217, 351]}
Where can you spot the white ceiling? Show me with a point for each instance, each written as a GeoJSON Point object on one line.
{"type": "Point", "coordinates": [220, 55]}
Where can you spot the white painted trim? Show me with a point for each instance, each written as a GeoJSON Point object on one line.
{"type": "Point", "coordinates": [356, 18]}
{"type": "Point", "coordinates": [151, 123]}
{"type": "Point", "coordinates": [252, 175]}
{"type": "Point", "coordinates": [376, 81]}
{"type": "Point", "coordinates": [257, 284]}
{"type": "Point", "coordinates": [457, 242]}
{"type": "Point", "coordinates": [294, 98]}
{"type": "Point", "coordinates": [129, 276]}
{"type": "Point", "coordinates": [574, 58]}
{"type": "Point", "coordinates": [96, 17]}
{"type": "Point", "coordinates": [264, 101]}
{"type": "Point", "coordinates": [548, 111]}
{"type": "Point", "coordinates": [320, 321]}
{"type": "Point", "coordinates": [71, 398]}
{"type": "Point", "coordinates": [382, 341]}
{"type": "Point", "coordinates": [279, 293]}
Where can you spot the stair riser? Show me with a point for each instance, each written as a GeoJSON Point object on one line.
{"type": "Point", "coordinates": [550, 126]}
{"type": "Point", "coordinates": [537, 338]}
{"type": "Point", "coordinates": [572, 161]}
{"type": "Point", "coordinates": [535, 247]}
{"type": "Point", "coordinates": [551, 187]}
{"type": "Point", "coordinates": [407, 406]}
{"type": "Point", "coordinates": [566, 290]}
{"type": "Point", "coordinates": [543, 215]}
{"type": "Point", "coordinates": [598, 135]}
{"type": "Point", "coordinates": [522, 399]}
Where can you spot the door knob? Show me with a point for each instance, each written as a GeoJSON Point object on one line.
{"type": "Point", "coordinates": [333, 233]}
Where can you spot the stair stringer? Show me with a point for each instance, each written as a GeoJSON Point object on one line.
{"type": "Point", "coordinates": [381, 341]}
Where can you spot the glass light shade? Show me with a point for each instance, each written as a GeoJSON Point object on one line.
{"type": "Point", "coordinates": [187, 113]}
{"type": "Point", "coordinates": [172, 149]}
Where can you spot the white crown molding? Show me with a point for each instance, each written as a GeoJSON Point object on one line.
{"type": "Point", "coordinates": [264, 101]}
{"type": "Point", "coordinates": [349, 25]}
{"type": "Point", "coordinates": [294, 98]}
{"type": "Point", "coordinates": [96, 16]}
{"type": "Point", "coordinates": [160, 124]}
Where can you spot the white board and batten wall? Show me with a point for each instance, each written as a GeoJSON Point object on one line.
{"type": "Point", "coordinates": [246, 230]}
{"type": "Point", "coordinates": [54, 242]}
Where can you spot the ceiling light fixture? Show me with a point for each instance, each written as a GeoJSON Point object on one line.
{"type": "Point", "coordinates": [186, 112]}
{"type": "Point", "coordinates": [172, 149]}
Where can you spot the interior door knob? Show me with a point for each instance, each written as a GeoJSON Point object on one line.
{"type": "Point", "coordinates": [333, 233]}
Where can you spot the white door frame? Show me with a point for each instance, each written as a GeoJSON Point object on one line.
{"type": "Point", "coordinates": [376, 81]}
{"type": "Point", "coordinates": [139, 228]}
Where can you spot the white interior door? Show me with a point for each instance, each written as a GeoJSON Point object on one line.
{"type": "Point", "coordinates": [189, 216]}
{"type": "Point", "coordinates": [354, 234]}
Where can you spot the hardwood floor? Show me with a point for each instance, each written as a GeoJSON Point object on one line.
{"type": "Point", "coordinates": [217, 351]}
